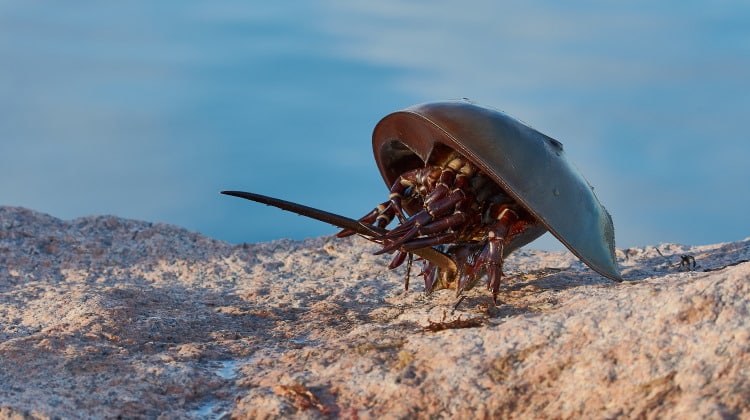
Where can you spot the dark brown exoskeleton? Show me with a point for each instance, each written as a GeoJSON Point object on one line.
{"type": "Point", "coordinates": [468, 185]}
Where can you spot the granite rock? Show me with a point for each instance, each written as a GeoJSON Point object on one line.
{"type": "Point", "coordinates": [103, 317]}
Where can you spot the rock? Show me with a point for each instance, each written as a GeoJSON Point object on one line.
{"type": "Point", "coordinates": [105, 317]}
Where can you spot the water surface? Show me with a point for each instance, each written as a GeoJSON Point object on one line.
{"type": "Point", "coordinates": [147, 109]}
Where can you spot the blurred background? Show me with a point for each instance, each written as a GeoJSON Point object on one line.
{"type": "Point", "coordinates": [146, 110]}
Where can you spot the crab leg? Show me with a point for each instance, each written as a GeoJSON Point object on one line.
{"type": "Point", "coordinates": [491, 257]}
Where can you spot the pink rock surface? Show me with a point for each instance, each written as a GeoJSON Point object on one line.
{"type": "Point", "coordinates": [103, 317]}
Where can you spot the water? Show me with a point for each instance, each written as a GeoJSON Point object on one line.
{"type": "Point", "coordinates": [214, 407]}
{"type": "Point", "coordinates": [147, 109]}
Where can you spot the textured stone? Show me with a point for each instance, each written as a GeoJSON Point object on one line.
{"type": "Point", "coordinates": [105, 317]}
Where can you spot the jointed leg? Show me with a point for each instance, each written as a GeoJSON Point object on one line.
{"type": "Point", "coordinates": [491, 257]}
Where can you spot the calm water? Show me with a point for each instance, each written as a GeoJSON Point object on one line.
{"type": "Point", "coordinates": [147, 109]}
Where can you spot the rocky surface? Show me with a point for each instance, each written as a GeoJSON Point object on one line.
{"type": "Point", "coordinates": [102, 317]}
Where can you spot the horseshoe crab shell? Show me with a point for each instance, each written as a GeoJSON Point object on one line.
{"type": "Point", "coordinates": [528, 165]}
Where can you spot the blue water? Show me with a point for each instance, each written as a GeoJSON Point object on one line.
{"type": "Point", "coordinates": [147, 109]}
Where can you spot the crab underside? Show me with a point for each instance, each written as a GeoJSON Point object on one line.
{"type": "Point", "coordinates": [451, 205]}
